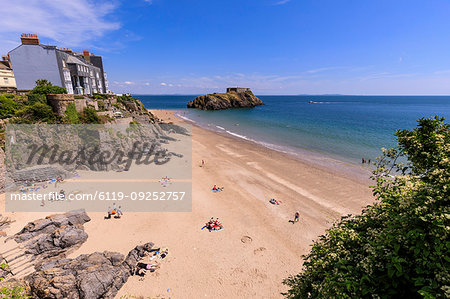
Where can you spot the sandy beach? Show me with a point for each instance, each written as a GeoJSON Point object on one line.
{"type": "Point", "coordinates": [258, 248]}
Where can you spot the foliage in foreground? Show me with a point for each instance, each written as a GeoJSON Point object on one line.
{"type": "Point", "coordinates": [11, 290]}
{"type": "Point", "coordinates": [44, 87]}
{"type": "Point", "coordinates": [399, 247]}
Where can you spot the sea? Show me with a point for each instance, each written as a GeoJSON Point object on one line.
{"type": "Point", "coordinates": [344, 128]}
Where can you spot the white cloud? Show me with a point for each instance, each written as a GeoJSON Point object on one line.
{"type": "Point", "coordinates": [70, 23]}
{"type": "Point", "coordinates": [324, 69]}
{"type": "Point", "coordinates": [163, 84]}
{"type": "Point", "coordinates": [442, 72]}
{"type": "Point", "coordinates": [147, 84]}
{"type": "Point", "coordinates": [149, 1]}
{"type": "Point", "coordinates": [282, 2]}
{"type": "Point", "coordinates": [128, 83]}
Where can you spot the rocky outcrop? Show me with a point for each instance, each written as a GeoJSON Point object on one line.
{"type": "Point", "coordinates": [40, 153]}
{"type": "Point", "coordinates": [220, 101]}
{"type": "Point", "coordinates": [39, 173]}
{"type": "Point", "coordinates": [54, 235]}
{"type": "Point", "coordinates": [96, 275]}
{"type": "Point", "coordinates": [53, 276]}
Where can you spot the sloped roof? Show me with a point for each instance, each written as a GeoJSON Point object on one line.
{"type": "Point", "coordinates": [73, 59]}
{"type": "Point", "coordinates": [3, 66]}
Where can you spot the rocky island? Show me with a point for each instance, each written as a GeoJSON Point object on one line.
{"type": "Point", "coordinates": [235, 97]}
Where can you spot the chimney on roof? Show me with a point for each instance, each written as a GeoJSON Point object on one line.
{"type": "Point", "coordinates": [29, 39]}
{"type": "Point", "coordinates": [6, 60]}
{"type": "Point", "coordinates": [67, 50]}
{"type": "Point", "coordinates": [86, 56]}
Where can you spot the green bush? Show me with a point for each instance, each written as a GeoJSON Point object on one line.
{"type": "Point", "coordinates": [9, 95]}
{"type": "Point", "coordinates": [36, 98]}
{"type": "Point", "coordinates": [45, 87]}
{"type": "Point", "coordinates": [101, 105]}
{"type": "Point", "coordinates": [399, 247]}
{"type": "Point", "coordinates": [13, 292]}
{"type": "Point", "coordinates": [99, 96]}
{"type": "Point", "coordinates": [89, 116]}
{"type": "Point", "coordinates": [71, 115]}
{"type": "Point", "coordinates": [8, 107]}
{"type": "Point", "coordinates": [38, 112]}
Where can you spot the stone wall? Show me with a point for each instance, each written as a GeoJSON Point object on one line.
{"type": "Point", "coordinates": [59, 102]}
{"type": "Point", "coordinates": [123, 121]}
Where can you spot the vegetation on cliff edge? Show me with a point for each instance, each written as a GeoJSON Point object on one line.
{"type": "Point", "coordinates": [398, 247]}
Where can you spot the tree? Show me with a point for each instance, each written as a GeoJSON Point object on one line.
{"type": "Point", "coordinates": [398, 247]}
{"type": "Point", "coordinates": [45, 87]}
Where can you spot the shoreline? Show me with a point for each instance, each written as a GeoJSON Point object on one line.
{"type": "Point", "coordinates": [310, 157]}
{"type": "Point", "coordinates": [258, 247]}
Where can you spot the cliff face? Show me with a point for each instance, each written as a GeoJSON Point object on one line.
{"type": "Point", "coordinates": [220, 101]}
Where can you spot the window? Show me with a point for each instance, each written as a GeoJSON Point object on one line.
{"type": "Point", "coordinates": [69, 88]}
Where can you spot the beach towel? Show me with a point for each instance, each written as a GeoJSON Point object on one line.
{"type": "Point", "coordinates": [217, 190]}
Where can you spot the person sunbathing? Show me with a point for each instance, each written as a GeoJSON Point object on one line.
{"type": "Point", "coordinates": [217, 226]}
{"type": "Point", "coordinates": [209, 224]}
{"type": "Point", "coordinates": [143, 267]}
{"type": "Point", "coordinates": [274, 201]}
{"type": "Point", "coordinates": [164, 254]}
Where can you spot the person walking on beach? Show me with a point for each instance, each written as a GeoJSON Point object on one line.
{"type": "Point", "coordinates": [119, 212]}
{"type": "Point", "coordinates": [296, 216]}
{"type": "Point", "coordinates": [203, 163]}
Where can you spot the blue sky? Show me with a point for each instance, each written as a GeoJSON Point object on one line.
{"type": "Point", "coordinates": [272, 46]}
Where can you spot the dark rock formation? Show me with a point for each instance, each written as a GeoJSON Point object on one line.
{"type": "Point", "coordinates": [220, 101]}
{"type": "Point", "coordinates": [39, 173]}
{"type": "Point", "coordinates": [53, 276]}
{"type": "Point", "coordinates": [54, 235]}
{"type": "Point", "coordinates": [96, 275]}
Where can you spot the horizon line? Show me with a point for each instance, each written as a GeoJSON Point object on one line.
{"type": "Point", "coordinates": [325, 94]}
